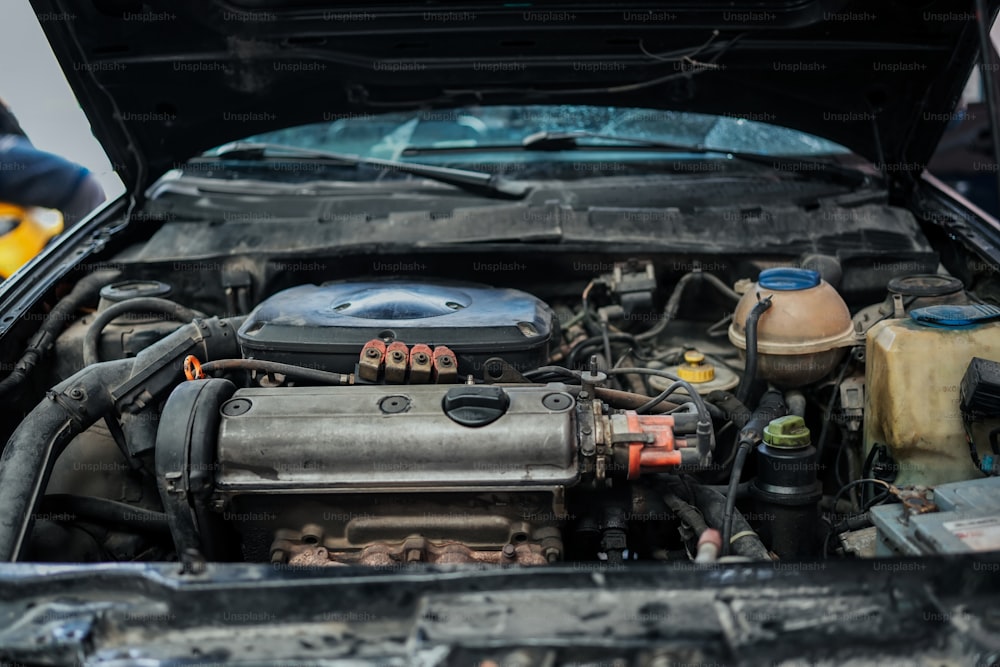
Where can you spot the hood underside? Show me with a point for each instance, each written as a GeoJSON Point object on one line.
{"type": "Point", "coordinates": [162, 80]}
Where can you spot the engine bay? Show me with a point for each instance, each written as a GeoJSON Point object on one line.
{"type": "Point", "coordinates": [517, 408]}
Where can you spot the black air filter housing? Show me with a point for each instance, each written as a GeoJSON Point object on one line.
{"type": "Point", "coordinates": [325, 326]}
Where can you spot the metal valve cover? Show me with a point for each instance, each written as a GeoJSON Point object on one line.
{"type": "Point", "coordinates": [378, 437]}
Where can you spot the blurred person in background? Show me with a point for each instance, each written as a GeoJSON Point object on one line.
{"type": "Point", "coordinates": [35, 187]}
{"type": "Point", "coordinates": [30, 177]}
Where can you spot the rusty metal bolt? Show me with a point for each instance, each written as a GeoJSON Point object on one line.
{"type": "Point", "coordinates": [445, 361]}
{"type": "Point", "coordinates": [508, 551]}
{"type": "Point", "coordinates": [397, 355]}
{"type": "Point", "coordinates": [371, 352]}
{"type": "Point", "coordinates": [421, 358]}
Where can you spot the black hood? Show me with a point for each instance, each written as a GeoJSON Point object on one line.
{"type": "Point", "coordinates": [162, 80]}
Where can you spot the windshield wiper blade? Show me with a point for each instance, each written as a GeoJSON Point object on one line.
{"type": "Point", "coordinates": [567, 141]}
{"type": "Point", "coordinates": [570, 141]}
{"type": "Point", "coordinates": [477, 182]}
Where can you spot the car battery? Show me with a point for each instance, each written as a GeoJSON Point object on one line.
{"type": "Point", "coordinates": [967, 520]}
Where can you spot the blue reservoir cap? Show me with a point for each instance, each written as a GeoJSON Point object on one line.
{"type": "Point", "coordinates": [788, 279]}
{"type": "Point", "coordinates": [954, 317]}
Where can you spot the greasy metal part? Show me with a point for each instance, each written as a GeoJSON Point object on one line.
{"type": "Point", "coordinates": [418, 550]}
{"type": "Point", "coordinates": [591, 379]}
{"type": "Point", "coordinates": [860, 543]}
{"type": "Point", "coordinates": [498, 370]}
{"type": "Point", "coordinates": [349, 442]}
{"type": "Point", "coordinates": [371, 361]}
{"type": "Point", "coordinates": [445, 365]}
{"type": "Point", "coordinates": [346, 468]}
{"type": "Point", "coordinates": [348, 523]}
{"type": "Point", "coordinates": [898, 308]}
{"type": "Point", "coordinates": [420, 364]}
{"type": "Point", "coordinates": [397, 354]}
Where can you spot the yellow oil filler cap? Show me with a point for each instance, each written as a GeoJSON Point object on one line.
{"type": "Point", "coordinates": [695, 368]}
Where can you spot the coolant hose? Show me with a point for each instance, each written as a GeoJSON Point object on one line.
{"type": "Point", "coordinates": [72, 406]}
{"type": "Point", "coordinates": [712, 505]}
{"type": "Point", "coordinates": [674, 301]}
{"type": "Point", "coordinates": [85, 291]}
{"type": "Point", "coordinates": [772, 405]}
{"type": "Point", "coordinates": [742, 451]}
{"type": "Point", "coordinates": [750, 370]}
{"type": "Point", "coordinates": [149, 304]}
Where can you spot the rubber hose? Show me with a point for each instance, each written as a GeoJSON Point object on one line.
{"type": "Point", "coordinates": [743, 450]}
{"type": "Point", "coordinates": [772, 405]}
{"type": "Point", "coordinates": [674, 302]}
{"type": "Point", "coordinates": [712, 505]}
{"type": "Point", "coordinates": [149, 304]}
{"type": "Point", "coordinates": [262, 366]}
{"type": "Point", "coordinates": [630, 401]}
{"type": "Point", "coordinates": [85, 291]}
{"type": "Point", "coordinates": [78, 402]}
{"type": "Point", "coordinates": [750, 370]}
{"type": "Point", "coordinates": [574, 353]}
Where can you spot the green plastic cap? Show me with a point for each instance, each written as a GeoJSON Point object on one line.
{"type": "Point", "coordinates": [789, 431]}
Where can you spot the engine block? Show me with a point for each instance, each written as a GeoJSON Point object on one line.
{"type": "Point", "coordinates": [380, 474]}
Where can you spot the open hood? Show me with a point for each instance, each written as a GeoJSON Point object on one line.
{"type": "Point", "coordinates": [163, 80]}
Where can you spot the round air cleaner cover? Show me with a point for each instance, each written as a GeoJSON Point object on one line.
{"type": "Point", "coordinates": [325, 326]}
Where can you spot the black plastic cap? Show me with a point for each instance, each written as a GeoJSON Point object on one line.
{"type": "Point", "coordinates": [472, 405]}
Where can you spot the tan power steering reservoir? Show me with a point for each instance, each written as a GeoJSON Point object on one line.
{"type": "Point", "coordinates": [913, 373]}
{"type": "Point", "coordinates": [805, 332]}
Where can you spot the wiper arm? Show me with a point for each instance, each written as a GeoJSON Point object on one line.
{"type": "Point", "coordinates": [477, 182]}
{"type": "Point", "coordinates": [567, 141]}
{"type": "Point", "coordinates": [570, 141]}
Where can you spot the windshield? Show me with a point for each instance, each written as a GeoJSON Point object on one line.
{"type": "Point", "coordinates": [386, 136]}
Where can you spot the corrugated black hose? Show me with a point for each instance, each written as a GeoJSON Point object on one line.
{"type": "Point", "coordinates": [85, 291]}
{"type": "Point", "coordinates": [74, 405]}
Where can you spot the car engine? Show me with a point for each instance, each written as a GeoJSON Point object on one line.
{"type": "Point", "coordinates": [387, 421]}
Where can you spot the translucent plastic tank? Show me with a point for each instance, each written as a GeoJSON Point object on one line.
{"type": "Point", "coordinates": [913, 375]}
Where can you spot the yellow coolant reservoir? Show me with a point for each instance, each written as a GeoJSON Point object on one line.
{"type": "Point", "coordinates": [913, 372]}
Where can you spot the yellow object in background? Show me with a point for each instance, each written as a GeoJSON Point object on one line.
{"type": "Point", "coordinates": [23, 233]}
